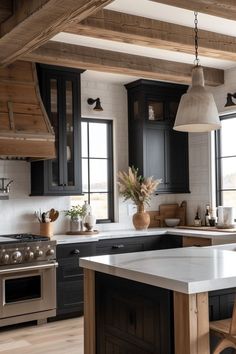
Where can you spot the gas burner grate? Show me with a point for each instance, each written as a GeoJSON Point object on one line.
{"type": "Point", "coordinates": [27, 237]}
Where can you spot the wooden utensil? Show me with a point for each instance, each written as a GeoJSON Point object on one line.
{"type": "Point", "coordinates": [53, 214]}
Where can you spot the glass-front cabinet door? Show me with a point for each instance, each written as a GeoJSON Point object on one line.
{"type": "Point", "coordinates": [60, 91]}
{"type": "Point", "coordinates": [155, 110]}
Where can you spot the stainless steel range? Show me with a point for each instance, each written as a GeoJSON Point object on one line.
{"type": "Point", "coordinates": [27, 278]}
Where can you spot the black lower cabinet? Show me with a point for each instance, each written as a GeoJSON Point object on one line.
{"type": "Point", "coordinates": [137, 244]}
{"type": "Point", "coordinates": [170, 241]}
{"type": "Point", "coordinates": [220, 307]}
{"type": "Point", "coordinates": [132, 318]}
{"type": "Point", "coordinates": [70, 278]}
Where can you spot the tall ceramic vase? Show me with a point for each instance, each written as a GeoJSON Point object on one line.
{"type": "Point", "coordinates": [141, 219]}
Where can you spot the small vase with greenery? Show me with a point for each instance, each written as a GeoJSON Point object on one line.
{"type": "Point", "coordinates": [139, 190]}
{"type": "Point", "coordinates": [76, 213]}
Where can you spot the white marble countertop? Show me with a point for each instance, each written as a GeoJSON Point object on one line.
{"type": "Point", "coordinates": [217, 236]}
{"type": "Point", "coordinates": [187, 270]}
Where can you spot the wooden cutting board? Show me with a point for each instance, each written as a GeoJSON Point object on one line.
{"type": "Point", "coordinates": [83, 233]}
{"type": "Point", "coordinates": [168, 210]}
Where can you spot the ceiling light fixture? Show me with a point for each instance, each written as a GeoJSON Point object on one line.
{"type": "Point", "coordinates": [98, 106]}
{"type": "Point", "coordinates": [197, 110]}
{"type": "Point", "coordinates": [229, 101]}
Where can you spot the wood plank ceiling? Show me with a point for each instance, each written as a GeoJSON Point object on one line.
{"type": "Point", "coordinates": [27, 27]}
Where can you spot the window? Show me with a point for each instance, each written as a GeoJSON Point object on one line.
{"type": "Point", "coordinates": [226, 162]}
{"type": "Point", "coordinates": [97, 168]}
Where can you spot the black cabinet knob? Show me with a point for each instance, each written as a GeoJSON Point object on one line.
{"type": "Point", "coordinates": [75, 252]}
{"type": "Point", "coordinates": [118, 246]}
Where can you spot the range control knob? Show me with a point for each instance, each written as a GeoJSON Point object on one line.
{"type": "Point", "coordinates": [29, 255]}
{"type": "Point", "coordinates": [50, 252]}
{"type": "Point", "coordinates": [16, 257]}
{"type": "Point", "coordinates": [38, 253]}
{"type": "Point", "coordinates": [5, 258]}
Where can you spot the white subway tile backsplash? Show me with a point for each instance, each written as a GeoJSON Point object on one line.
{"type": "Point", "coordinates": [17, 213]}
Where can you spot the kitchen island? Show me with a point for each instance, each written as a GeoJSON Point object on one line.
{"type": "Point", "coordinates": [188, 274]}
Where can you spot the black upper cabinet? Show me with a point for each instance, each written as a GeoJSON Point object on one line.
{"type": "Point", "coordinates": [154, 147]}
{"type": "Point", "coordinates": [60, 91]}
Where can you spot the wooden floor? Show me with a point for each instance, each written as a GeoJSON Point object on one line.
{"type": "Point", "coordinates": [61, 337]}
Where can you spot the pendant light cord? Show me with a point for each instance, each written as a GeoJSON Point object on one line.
{"type": "Point", "coordinates": [197, 60]}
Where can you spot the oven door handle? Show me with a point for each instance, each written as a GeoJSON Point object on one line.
{"type": "Point", "coordinates": [28, 268]}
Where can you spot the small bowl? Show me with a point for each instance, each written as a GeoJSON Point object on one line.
{"type": "Point", "coordinates": [172, 222]}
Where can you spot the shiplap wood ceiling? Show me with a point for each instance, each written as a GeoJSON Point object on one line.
{"type": "Point", "coordinates": [126, 39]}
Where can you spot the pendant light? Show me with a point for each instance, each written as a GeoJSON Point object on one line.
{"type": "Point", "coordinates": [197, 111]}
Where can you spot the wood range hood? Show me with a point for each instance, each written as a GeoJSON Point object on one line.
{"type": "Point", "coordinates": [25, 129]}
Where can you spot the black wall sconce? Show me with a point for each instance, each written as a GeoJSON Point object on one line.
{"type": "Point", "coordinates": [98, 106]}
{"type": "Point", "coordinates": [229, 101]}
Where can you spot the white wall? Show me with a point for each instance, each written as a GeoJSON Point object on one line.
{"type": "Point", "coordinates": [220, 92]}
{"type": "Point", "coordinates": [199, 176]}
{"type": "Point", "coordinates": [17, 213]}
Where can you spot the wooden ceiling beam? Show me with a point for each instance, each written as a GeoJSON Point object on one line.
{"type": "Point", "coordinates": [219, 8]}
{"type": "Point", "coordinates": [142, 31]}
{"type": "Point", "coordinates": [75, 56]}
{"type": "Point", "coordinates": [34, 22]}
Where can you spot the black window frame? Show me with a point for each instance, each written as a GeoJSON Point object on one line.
{"type": "Point", "coordinates": [218, 157]}
{"type": "Point", "coordinates": [110, 169]}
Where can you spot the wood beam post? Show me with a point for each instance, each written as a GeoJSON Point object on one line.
{"type": "Point", "coordinates": [191, 323]}
{"type": "Point", "coordinates": [89, 312]}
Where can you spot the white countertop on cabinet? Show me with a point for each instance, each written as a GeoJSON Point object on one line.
{"type": "Point", "coordinates": [187, 270]}
{"type": "Point", "coordinates": [217, 236]}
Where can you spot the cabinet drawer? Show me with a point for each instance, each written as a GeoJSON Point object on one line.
{"type": "Point", "coordinates": [196, 241]}
{"type": "Point", "coordinates": [76, 250]}
{"type": "Point", "coordinates": [120, 246]}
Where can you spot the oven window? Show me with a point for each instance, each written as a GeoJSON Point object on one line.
{"type": "Point", "coordinates": [21, 289]}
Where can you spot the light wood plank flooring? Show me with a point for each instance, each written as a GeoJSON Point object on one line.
{"type": "Point", "coordinates": [61, 337]}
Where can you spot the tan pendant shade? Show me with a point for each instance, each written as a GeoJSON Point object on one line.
{"type": "Point", "coordinates": [197, 110]}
